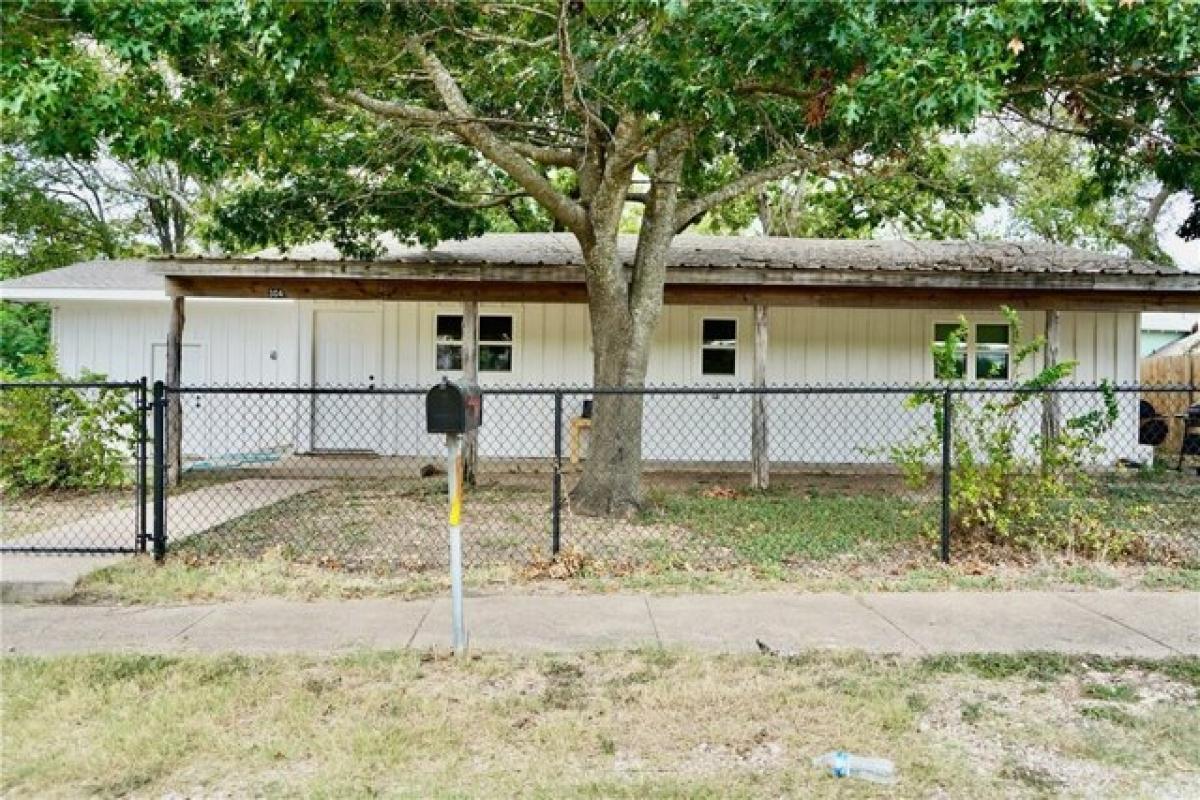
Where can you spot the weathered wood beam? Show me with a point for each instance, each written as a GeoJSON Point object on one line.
{"type": "Point", "coordinates": [870, 296]}
{"type": "Point", "coordinates": [698, 276]}
{"type": "Point", "coordinates": [470, 364]}
{"type": "Point", "coordinates": [760, 477]}
{"type": "Point", "coordinates": [1051, 413]}
{"type": "Point", "coordinates": [174, 404]}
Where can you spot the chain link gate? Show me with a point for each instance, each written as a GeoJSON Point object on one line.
{"type": "Point", "coordinates": [108, 419]}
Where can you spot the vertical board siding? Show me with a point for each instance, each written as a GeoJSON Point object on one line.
{"type": "Point", "coordinates": [234, 340]}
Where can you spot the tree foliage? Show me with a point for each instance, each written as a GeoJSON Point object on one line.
{"type": "Point", "coordinates": [350, 119]}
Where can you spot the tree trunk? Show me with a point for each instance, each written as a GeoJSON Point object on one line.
{"type": "Point", "coordinates": [611, 481]}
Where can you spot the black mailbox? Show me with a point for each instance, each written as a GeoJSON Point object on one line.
{"type": "Point", "coordinates": [453, 407]}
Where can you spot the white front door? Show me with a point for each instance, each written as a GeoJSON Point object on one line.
{"type": "Point", "coordinates": [346, 354]}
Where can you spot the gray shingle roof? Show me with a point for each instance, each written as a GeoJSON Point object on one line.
{"type": "Point", "coordinates": [688, 251]}
{"type": "Point", "coordinates": [122, 275]}
{"type": "Point", "coordinates": [696, 251]}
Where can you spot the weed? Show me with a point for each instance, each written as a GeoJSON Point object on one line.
{"type": "Point", "coordinates": [1114, 692]}
{"type": "Point", "coordinates": [1109, 714]}
{"type": "Point", "coordinates": [972, 712]}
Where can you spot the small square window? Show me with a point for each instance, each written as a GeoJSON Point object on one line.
{"type": "Point", "coordinates": [495, 351]}
{"type": "Point", "coordinates": [718, 347]}
{"type": "Point", "coordinates": [449, 357]}
{"type": "Point", "coordinates": [449, 328]}
{"type": "Point", "coordinates": [720, 333]}
{"type": "Point", "coordinates": [718, 362]}
{"type": "Point", "coordinates": [495, 329]}
{"type": "Point", "coordinates": [941, 334]}
{"type": "Point", "coordinates": [991, 352]}
{"type": "Point", "coordinates": [983, 355]}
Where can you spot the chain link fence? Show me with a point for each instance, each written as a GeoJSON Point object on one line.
{"type": "Point", "coordinates": [349, 478]}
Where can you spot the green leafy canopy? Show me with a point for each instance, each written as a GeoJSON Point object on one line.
{"type": "Point", "coordinates": [266, 90]}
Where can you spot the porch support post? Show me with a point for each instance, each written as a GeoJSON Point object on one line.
{"type": "Point", "coordinates": [470, 357]}
{"type": "Point", "coordinates": [174, 404]}
{"type": "Point", "coordinates": [760, 475]}
{"type": "Point", "coordinates": [1050, 400]}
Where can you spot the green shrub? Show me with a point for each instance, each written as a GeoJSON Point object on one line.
{"type": "Point", "coordinates": [1039, 497]}
{"type": "Point", "coordinates": [64, 438]}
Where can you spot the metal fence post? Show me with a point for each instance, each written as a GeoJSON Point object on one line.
{"type": "Point", "coordinates": [556, 481]}
{"type": "Point", "coordinates": [143, 408]}
{"type": "Point", "coordinates": [947, 425]}
{"type": "Point", "coordinates": [160, 472]}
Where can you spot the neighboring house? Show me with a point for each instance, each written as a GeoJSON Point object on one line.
{"type": "Point", "coordinates": [839, 312]}
{"type": "Point", "coordinates": [1161, 329]}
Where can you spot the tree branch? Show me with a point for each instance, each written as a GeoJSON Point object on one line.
{"type": "Point", "coordinates": [550, 156]}
{"type": "Point", "coordinates": [497, 150]}
{"type": "Point", "coordinates": [690, 211]}
{"type": "Point", "coordinates": [386, 108]}
{"type": "Point", "coordinates": [499, 200]}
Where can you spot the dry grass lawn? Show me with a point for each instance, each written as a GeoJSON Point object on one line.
{"type": "Point", "coordinates": [643, 724]}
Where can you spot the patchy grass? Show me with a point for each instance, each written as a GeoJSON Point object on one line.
{"type": "Point", "coordinates": [782, 527]}
{"type": "Point", "coordinates": [139, 581]}
{"type": "Point", "coordinates": [642, 724]}
{"type": "Point", "coordinates": [378, 537]}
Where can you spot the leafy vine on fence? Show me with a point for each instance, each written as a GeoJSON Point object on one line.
{"type": "Point", "coordinates": [1008, 487]}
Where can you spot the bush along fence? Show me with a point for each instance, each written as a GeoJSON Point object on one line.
{"type": "Point", "coordinates": [74, 466]}
{"type": "Point", "coordinates": [348, 478]}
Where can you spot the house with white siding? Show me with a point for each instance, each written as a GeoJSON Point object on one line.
{"type": "Point", "coordinates": [824, 312]}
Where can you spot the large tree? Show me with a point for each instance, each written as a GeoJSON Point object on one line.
{"type": "Point", "coordinates": [417, 118]}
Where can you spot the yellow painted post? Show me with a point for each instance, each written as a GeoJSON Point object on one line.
{"type": "Point", "coordinates": [454, 477]}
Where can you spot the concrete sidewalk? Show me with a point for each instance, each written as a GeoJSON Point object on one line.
{"type": "Point", "coordinates": [1145, 624]}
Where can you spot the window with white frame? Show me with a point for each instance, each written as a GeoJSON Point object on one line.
{"type": "Point", "coordinates": [495, 350]}
{"type": "Point", "coordinates": [984, 354]}
{"type": "Point", "coordinates": [718, 347]}
{"type": "Point", "coordinates": [495, 343]}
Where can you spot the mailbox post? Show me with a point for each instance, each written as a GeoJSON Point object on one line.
{"type": "Point", "coordinates": [454, 408]}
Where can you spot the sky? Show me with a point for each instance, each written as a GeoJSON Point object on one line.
{"type": "Point", "coordinates": [1186, 254]}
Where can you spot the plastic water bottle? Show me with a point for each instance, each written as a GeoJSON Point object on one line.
{"type": "Point", "coordinates": [841, 764]}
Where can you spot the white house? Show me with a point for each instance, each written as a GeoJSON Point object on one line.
{"type": "Point", "coordinates": [837, 312]}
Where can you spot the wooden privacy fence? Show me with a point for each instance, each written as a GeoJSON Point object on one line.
{"type": "Point", "coordinates": [1177, 370]}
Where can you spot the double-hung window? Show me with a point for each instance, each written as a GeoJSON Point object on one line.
{"type": "Point", "coordinates": [495, 343]}
{"type": "Point", "coordinates": [495, 350]}
{"type": "Point", "coordinates": [983, 355]}
{"type": "Point", "coordinates": [718, 347]}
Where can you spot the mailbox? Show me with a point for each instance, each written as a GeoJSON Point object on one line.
{"type": "Point", "coordinates": [453, 407]}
